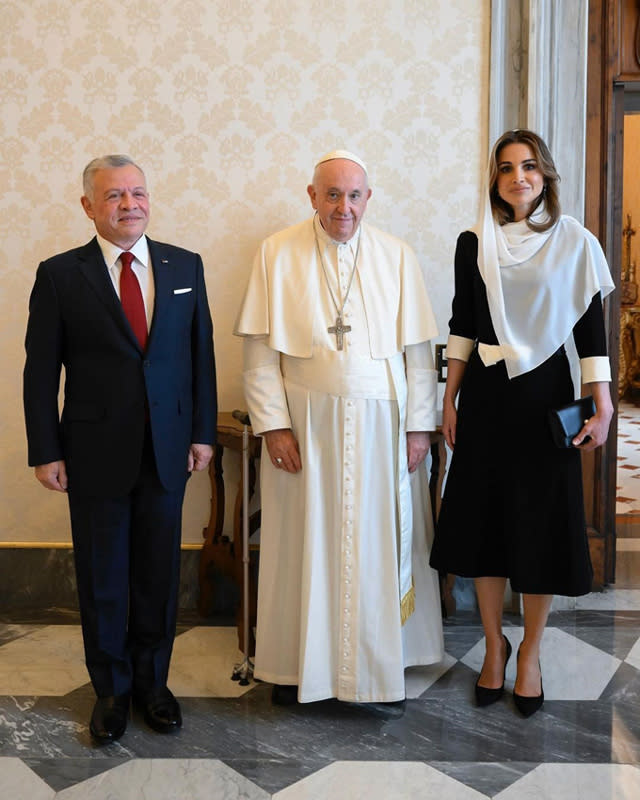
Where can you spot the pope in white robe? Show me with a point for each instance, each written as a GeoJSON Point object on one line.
{"type": "Point", "coordinates": [339, 381]}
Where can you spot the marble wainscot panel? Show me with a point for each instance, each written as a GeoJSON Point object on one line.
{"type": "Point", "coordinates": [44, 577]}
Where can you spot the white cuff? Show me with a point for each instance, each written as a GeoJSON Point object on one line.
{"type": "Point", "coordinates": [266, 399]}
{"type": "Point", "coordinates": [595, 369]}
{"type": "Point", "coordinates": [459, 347]}
{"type": "Point", "coordinates": [421, 399]}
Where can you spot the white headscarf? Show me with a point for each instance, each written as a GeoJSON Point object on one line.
{"type": "Point", "coordinates": [538, 284]}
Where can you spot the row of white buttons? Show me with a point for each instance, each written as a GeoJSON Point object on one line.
{"type": "Point", "coordinates": [347, 666]}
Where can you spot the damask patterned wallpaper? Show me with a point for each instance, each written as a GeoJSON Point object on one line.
{"type": "Point", "coordinates": [225, 104]}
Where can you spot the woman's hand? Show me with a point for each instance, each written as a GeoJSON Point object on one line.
{"type": "Point", "coordinates": [449, 422]}
{"type": "Point", "coordinates": [597, 427]}
{"type": "Point", "coordinates": [455, 373]}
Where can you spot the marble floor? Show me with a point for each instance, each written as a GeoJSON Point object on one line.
{"type": "Point", "coordinates": [628, 497]}
{"type": "Point", "coordinates": [628, 470]}
{"type": "Point", "coordinates": [583, 745]}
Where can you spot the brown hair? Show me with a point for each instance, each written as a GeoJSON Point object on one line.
{"type": "Point", "coordinates": [502, 211]}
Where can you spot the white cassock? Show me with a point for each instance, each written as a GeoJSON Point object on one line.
{"type": "Point", "coordinates": [344, 543]}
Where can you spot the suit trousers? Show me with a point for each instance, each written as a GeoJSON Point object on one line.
{"type": "Point", "coordinates": [127, 559]}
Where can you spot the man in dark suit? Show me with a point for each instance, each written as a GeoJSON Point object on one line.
{"type": "Point", "coordinates": [138, 417]}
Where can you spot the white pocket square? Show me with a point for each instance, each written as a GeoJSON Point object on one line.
{"type": "Point", "coordinates": [182, 291]}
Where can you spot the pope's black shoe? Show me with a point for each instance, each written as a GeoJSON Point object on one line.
{"type": "Point", "coordinates": [109, 718]}
{"type": "Point", "coordinates": [284, 695]}
{"type": "Point", "coordinates": [389, 710]}
{"type": "Point", "coordinates": [161, 709]}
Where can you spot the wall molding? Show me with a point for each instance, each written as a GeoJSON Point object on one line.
{"type": "Point", "coordinates": [69, 546]}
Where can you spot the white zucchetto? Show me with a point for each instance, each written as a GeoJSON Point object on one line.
{"type": "Point", "coordinates": [343, 154]}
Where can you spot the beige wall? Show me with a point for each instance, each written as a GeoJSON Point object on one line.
{"type": "Point", "coordinates": [226, 103]}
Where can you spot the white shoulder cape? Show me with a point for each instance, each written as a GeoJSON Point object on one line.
{"type": "Point", "coordinates": [285, 279]}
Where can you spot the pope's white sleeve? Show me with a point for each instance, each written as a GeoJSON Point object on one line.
{"type": "Point", "coordinates": [264, 387]}
{"type": "Point", "coordinates": [422, 386]}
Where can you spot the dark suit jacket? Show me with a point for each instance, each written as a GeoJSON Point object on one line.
{"type": "Point", "coordinates": [76, 321]}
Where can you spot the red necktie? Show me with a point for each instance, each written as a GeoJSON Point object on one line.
{"type": "Point", "coordinates": [131, 299]}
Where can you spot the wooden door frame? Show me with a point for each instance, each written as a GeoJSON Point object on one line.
{"type": "Point", "coordinates": [603, 216]}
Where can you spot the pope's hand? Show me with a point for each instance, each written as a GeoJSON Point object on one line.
{"type": "Point", "coordinates": [283, 449]}
{"type": "Point", "coordinates": [418, 444]}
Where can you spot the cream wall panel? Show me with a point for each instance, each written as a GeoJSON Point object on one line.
{"type": "Point", "coordinates": [226, 103]}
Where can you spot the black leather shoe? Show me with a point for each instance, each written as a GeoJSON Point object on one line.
{"type": "Point", "coordinates": [528, 706]}
{"type": "Point", "coordinates": [484, 696]}
{"type": "Point", "coordinates": [161, 709]}
{"type": "Point", "coordinates": [390, 710]}
{"type": "Point", "coordinates": [109, 718]}
{"type": "Point", "coordinates": [284, 695]}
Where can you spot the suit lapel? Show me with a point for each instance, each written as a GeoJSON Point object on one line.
{"type": "Point", "coordinates": [95, 272]}
{"type": "Point", "coordinates": [162, 268]}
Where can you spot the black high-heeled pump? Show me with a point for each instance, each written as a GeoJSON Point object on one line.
{"type": "Point", "coordinates": [484, 696]}
{"type": "Point", "coordinates": [528, 706]}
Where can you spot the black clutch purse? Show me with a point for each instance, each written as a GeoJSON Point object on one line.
{"type": "Point", "coordinates": [566, 422]}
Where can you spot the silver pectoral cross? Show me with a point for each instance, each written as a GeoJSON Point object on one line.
{"type": "Point", "coordinates": [339, 329]}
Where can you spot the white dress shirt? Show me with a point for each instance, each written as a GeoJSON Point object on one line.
{"type": "Point", "coordinates": [141, 266]}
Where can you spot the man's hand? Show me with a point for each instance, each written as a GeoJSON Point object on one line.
{"type": "Point", "coordinates": [199, 457]}
{"type": "Point", "coordinates": [52, 476]}
{"type": "Point", "coordinates": [283, 449]}
{"type": "Point", "coordinates": [418, 444]}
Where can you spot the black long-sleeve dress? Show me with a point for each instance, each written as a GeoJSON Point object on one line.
{"type": "Point", "coordinates": [513, 503]}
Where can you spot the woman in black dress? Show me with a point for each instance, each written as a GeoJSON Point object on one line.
{"type": "Point", "coordinates": [526, 278]}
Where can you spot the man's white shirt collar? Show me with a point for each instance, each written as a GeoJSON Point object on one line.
{"type": "Point", "coordinates": [111, 252]}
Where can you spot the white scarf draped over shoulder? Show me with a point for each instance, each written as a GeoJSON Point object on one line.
{"type": "Point", "coordinates": [538, 284]}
